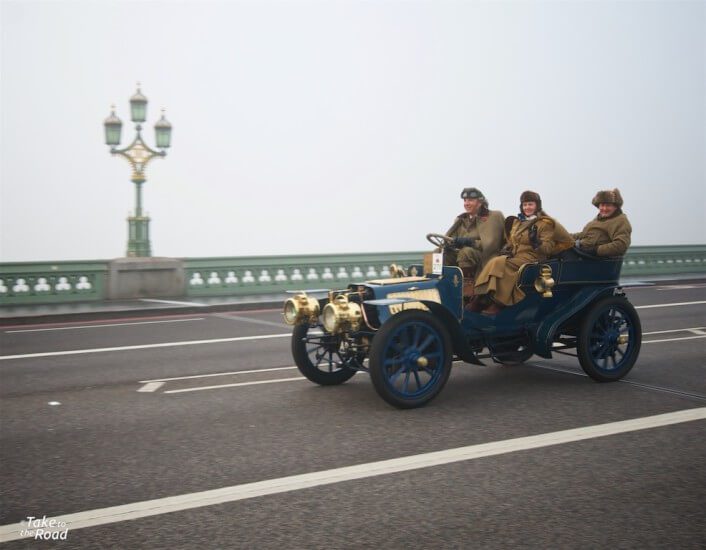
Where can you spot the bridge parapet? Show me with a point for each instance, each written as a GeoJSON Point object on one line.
{"type": "Point", "coordinates": [52, 282]}
{"type": "Point", "coordinates": [76, 281]}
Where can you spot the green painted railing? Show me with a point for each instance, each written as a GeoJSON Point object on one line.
{"type": "Point", "coordinates": [262, 275]}
{"type": "Point", "coordinates": [44, 282]}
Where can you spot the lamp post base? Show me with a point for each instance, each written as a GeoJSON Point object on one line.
{"type": "Point", "coordinates": [138, 244]}
{"type": "Point", "coordinates": [130, 278]}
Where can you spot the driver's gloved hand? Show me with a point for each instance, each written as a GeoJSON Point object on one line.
{"type": "Point", "coordinates": [460, 242]}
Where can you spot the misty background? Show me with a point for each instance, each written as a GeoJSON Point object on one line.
{"type": "Point", "coordinates": [345, 126]}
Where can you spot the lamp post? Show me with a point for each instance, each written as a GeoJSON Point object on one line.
{"type": "Point", "coordinates": [138, 154]}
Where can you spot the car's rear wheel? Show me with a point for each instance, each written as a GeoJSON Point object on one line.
{"type": "Point", "coordinates": [609, 339]}
{"type": "Point", "coordinates": [318, 357]}
{"type": "Point", "coordinates": [410, 359]}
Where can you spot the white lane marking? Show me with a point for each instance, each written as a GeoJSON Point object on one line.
{"type": "Point", "coordinates": [673, 391]}
{"type": "Point", "coordinates": [247, 320]}
{"type": "Point", "coordinates": [693, 329]}
{"type": "Point", "coordinates": [151, 386]}
{"type": "Point", "coordinates": [196, 304]}
{"type": "Point", "coordinates": [107, 325]}
{"type": "Point", "coordinates": [673, 339]}
{"type": "Point", "coordinates": [697, 330]}
{"type": "Point", "coordinates": [146, 346]}
{"type": "Point", "coordinates": [255, 383]}
{"type": "Point", "coordinates": [671, 305]}
{"type": "Point", "coordinates": [54, 403]}
{"type": "Point", "coordinates": [136, 510]}
{"type": "Point", "coordinates": [216, 374]}
{"type": "Point", "coordinates": [681, 287]}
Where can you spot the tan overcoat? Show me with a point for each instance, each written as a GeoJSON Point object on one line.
{"type": "Point", "coordinates": [499, 276]}
{"type": "Point", "coordinates": [607, 236]}
{"type": "Point", "coordinates": [489, 229]}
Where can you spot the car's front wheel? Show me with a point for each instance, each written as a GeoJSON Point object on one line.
{"type": "Point", "coordinates": [318, 356]}
{"type": "Point", "coordinates": [410, 359]}
{"type": "Point", "coordinates": [609, 339]}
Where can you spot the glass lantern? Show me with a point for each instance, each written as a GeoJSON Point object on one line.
{"type": "Point", "coordinates": [138, 107]}
{"type": "Point", "coordinates": [163, 132]}
{"type": "Point", "coordinates": [113, 126]}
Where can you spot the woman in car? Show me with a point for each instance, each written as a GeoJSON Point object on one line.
{"type": "Point", "coordinates": [609, 233]}
{"type": "Point", "coordinates": [531, 236]}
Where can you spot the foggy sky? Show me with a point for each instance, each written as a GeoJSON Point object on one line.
{"type": "Point", "coordinates": [321, 127]}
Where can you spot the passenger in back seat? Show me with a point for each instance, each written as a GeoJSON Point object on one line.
{"type": "Point", "coordinates": [609, 233]}
{"type": "Point", "coordinates": [531, 236]}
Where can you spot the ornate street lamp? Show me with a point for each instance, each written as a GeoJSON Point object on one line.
{"type": "Point", "coordinates": [138, 154]}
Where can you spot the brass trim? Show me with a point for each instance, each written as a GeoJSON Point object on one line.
{"type": "Point", "coordinates": [544, 283]}
{"type": "Point", "coordinates": [428, 263]}
{"type": "Point", "coordinates": [302, 309]}
{"type": "Point", "coordinates": [347, 315]}
{"type": "Point", "coordinates": [397, 271]}
{"type": "Point", "coordinates": [428, 294]}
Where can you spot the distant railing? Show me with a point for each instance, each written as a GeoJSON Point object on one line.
{"type": "Point", "coordinates": [262, 275]}
{"type": "Point", "coordinates": [50, 282]}
{"type": "Point", "coordinates": [46, 283]}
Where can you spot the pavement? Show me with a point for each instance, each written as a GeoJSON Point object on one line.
{"type": "Point", "coordinates": [146, 307]}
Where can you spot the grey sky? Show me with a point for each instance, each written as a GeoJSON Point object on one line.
{"type": "Point", "coordinates": [319, 127]}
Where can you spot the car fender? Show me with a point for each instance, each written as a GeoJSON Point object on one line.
{"type": "Point", "coordinates": [458, 338]}
{"type": "Point", "coordinates": [546, 330]}
{"type": "Point", "coordinates": [441, 312]}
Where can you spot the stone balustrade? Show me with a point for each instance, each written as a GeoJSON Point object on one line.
{"type": "Point", "coordinates": [43, 282]}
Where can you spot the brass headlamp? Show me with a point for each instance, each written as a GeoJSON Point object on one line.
{"type": "Point", "coordinates": [544, 283]}
{"type": "Point", "coordinates": [340, 314]}
{"type": "Point", "coordinates": [301, 309]}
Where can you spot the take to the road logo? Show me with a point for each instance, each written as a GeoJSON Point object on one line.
{"type": "Point", "coordinates": [44, 529]}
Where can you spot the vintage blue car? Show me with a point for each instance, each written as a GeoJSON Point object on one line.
{"type": "Point", "coordinates": [407, 330]}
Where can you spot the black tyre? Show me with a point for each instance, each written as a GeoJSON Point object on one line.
{"type": "Point", "coordinates": [410, 359]}
{"type": "Point", "coordinates": [318, 357]}
{"type": "Point", "coordinates": [609, 339]}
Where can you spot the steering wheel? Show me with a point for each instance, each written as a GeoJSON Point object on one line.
{"type": "Point", "coordinates": [438, 240]}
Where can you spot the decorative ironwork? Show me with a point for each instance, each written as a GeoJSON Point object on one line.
{"type": "Point", "coordinates": [139, 155]}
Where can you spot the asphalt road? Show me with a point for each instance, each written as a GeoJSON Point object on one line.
{"type": "Point", "coordinates": [100, 414]}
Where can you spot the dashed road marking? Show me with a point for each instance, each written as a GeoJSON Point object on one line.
{"type": "Point", "coordinates": [673, 304]}
{"type": "Point", "coordinates": [247, 320]}
{"type": "Point", "coordinates": [107, 325]}
{"type": "Point", "coordinates": [151, 386]}
{"type": "Point", "coordinates": [145, 346]}
{"type": "Point", "coordinates": [175, 302]}
{"type": "Point", "coordinates": [236, 384]}
{"type": "Point", "coordinates": [231, 373]}
{"type": "Point", "coordinates": [673, 339]}
{"type": "Point", "coordinates": [692, 329]}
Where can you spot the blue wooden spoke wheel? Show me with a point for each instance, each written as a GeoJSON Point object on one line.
{"type": "Point", "coordinates": [410, 359]}
{"type": "Point", "coordinates": [318, 356]}
{"type": "Point", "coordinates": [609, 339]}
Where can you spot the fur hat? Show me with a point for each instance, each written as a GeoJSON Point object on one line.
{"type": "Point", "coordinates": [608, 196]}
{"type": "Point", "coordinates": [531, 196]}
{"type": "Point", "coordinates": [472, 193]}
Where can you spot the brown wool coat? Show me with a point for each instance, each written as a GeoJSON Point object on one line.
{"type": "Point", "coordinates": [489, 229]}
{"type": "Point", "coordinates": [499, 276]}
{"type": "Point", "coordinates": [608, 236]}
